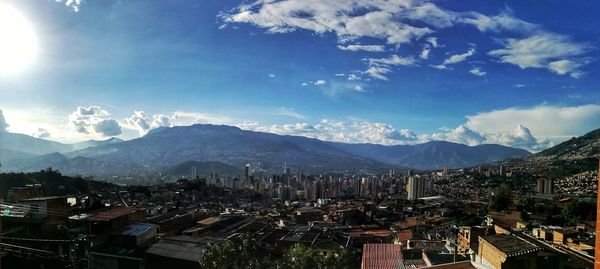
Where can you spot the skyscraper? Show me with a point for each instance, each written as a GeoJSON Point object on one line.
{"type": "Point", "coordinates": [415, 188]}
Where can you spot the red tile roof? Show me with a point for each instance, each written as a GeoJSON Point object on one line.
{"type": "Point", "coordinates": [381, 256]}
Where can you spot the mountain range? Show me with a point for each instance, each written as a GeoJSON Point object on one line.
{"type": "Point", "coordinates": [165, 149]}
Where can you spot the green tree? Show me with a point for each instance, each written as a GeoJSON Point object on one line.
{"type": "Point", "coordinates": [501, 199]}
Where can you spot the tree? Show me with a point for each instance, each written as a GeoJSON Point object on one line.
{"type": "Point", "coordinates": [501, 199]}
{"type": "Point", "coordinates": [299, 257]}
{"type": "Point", "coordinates": [237, 252]}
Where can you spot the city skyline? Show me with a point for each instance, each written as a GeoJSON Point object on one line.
{"type": "Point", "coordinates": [386, 72]}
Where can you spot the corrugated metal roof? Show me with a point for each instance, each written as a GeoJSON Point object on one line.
{"type": "Point", "coordinates": [381, 256]}
{"type": "Point", "coordinates": [112, 214]}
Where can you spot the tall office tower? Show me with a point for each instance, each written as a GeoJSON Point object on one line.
{"type": "Point", "coordinates": [597, 249]}
{"type": "Point", "coordinates": [409, 173]}
{"type": "Point", "coordinates": [502, 172]}
{"type": "Point", "coordinates": [194, 175]}
{"type": "Point", "coordinates": [415, 188]}
{"type": "Point", "coordinates": [247, 171]}
{"type": "Point", "coordinates": [548, 186]}
{"type": "Point", "coordinates": [445, 170]}
{"type": "Point", "coordinates": [539, 188]}
{"type": "Point", "coordinates": [479, 169]}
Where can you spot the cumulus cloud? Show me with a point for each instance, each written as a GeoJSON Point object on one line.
{"type": "Point", "coordinates": [370, 48]}
{"type": "Point", "coordinates": [41, 133]}
{"type": "Point", "coordinates": [108, 127]}
{"type": "Point", "coordinates": [554, 52]}
{"type": "Point", "coordinates": [142, 123]}
{"type": "Point", "coordinates": [3, 123]}
{"type": "Point", "coordinates": [271, 75]}
{"type": "Point", "coordinates": [520, 137]}
{"type": "Point", "coordinates": [425, 53]}
{"type": "Point", "coordinates": [477, 71]}
{"type": "Point", "coordinates": [93, 120]}
{"type": "Point", "coordinates": [460, 134]}
{"type": "Point", "coordinates": [320, 82]}
{"type": "Point", "coordinates": [350, 131]}
{"type": "Point", "coordinates": [552, 122]}
{"type": "Point", "coordinates": [359, 88]}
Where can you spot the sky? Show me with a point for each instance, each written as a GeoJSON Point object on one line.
{"type": "Point", "coordinates": [516, 73]}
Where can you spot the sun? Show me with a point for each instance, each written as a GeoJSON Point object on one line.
{"type": "Point", "coordinates": [18, 42]}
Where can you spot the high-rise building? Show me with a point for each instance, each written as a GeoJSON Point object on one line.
{"type": "Point", "coordinates": [415, 188]}
{"type": "Point", "coordinates": [247, 171]}
{"type": "Point", "coordinates": [194, 174]}
{"type": "Point", "coordinates": [502, 172]}
{"type": "Point", "coordinates": [544, 186]}
{"type": "Point", "coordinates": [445, 170]}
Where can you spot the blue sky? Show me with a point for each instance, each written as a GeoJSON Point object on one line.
{"type": "Point", "coordinates": [393, 72]}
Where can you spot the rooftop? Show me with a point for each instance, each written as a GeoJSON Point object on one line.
{"type": "Point", "coordinates": [381, 256]}
{"type": "Point", "coordinates": [511, 245]}
{"type": "Point", "coordinates": [182, 247]}
{"type": "Point", "coordinates": [110, 214]}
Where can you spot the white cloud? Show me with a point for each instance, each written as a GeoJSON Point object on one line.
{"type": "Point", "coordinates": [425, 53]}
{"type": "Point", "coordinates": [108, 127]}
{"type": "Point", "coordinates": [73, 4]}
{"type": "Point", "coordinates": [460, 134]}
{"type": "Point", "coordinates": [392, 60]}
{"type": "Point", "coordinates": [41, 133]}
{"type": "Point", "coordinates": [457, 58]}
{"type": "Point", "coordinates": [552, 122]}
{"type": "Point", "coordinates": [320, 82]}
{"type": "Point", "coordinates": [519, 85]}
{"type": "Point", "coordinates": [505, 21]}
{"type": "Point", "coordinates": [377, 67]}
{"type": "Point", "coordinates": [359, 88]}
{"type": "Point", "coordinates": [271, 75]}
{"type": "Point", "coordinates": [395, 22]}
{"type": "Point", "coordinates": [93, 121]}
{"type": "Point", "coordinates": [350, 131]}
{"type": "Point", "coordinates": [370, 48]}
{"type": "Point", "coordinates": [520, 137]}
{"type": "Point", "coordinates": [339, 74]}
{"type": "Point", "coordinates": [543, 50]}
{"type": "Point", "coordinates": [353, 77]}
{"type": "Point", "coordinates": [304, 84]}
{"type": "Point", "coordinates": [477, 71]}
{"type": "Point", "coordinates": [433, 41]}
{"type": "Point", "coordinates": [3, 123]}
{"type": "Point", "coordinates": [405, 21]}
{"type": "Point", "coordinates": [142, 123]}
{"type": "Point", "coordinates": [289, 112]}
{"type": "Point", "coordinates": [378, 72]}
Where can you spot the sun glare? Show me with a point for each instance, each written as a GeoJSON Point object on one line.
{"type": "Point", "coordinates": [18, 42]}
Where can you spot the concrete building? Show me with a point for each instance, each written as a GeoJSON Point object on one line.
{"type": "Point", "coordinates": [415, 188]}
